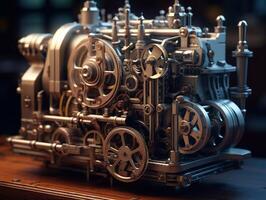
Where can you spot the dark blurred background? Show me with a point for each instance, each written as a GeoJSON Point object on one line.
{"type": "Point", "coordinates": [21, 17]}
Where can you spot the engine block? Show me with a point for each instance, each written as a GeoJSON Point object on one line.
{"type": "Point", "coordinates": [132, 98]}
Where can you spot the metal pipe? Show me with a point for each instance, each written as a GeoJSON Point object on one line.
{"type": "Point", "coordinates": [112, 119]}
{"type": "Point", "coordinates": [57, 118]}
{"type": "Point", "coordinates": [43, 146]}
{"type": "Point", "coordinates": [146, 22]}
{"type": "Point", "coordinates": [87, 119]}
{"type": "Point", "coordinates": [33, 144]}
{"type": "Point", "coordinates": [155, 32]}
{"type": "Point", "coordinates": [40, 101]}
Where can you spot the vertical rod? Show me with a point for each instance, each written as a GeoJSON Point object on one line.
{"type": "Point", "coordinates": [242, 54]}
{"type": "Point", "coordinates": [127, 33]}
{"type": "Point", "coordinates": [189, 16]}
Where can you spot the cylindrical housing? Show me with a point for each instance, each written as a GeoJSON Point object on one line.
{"type": "Point", "coordinates": [242, 72]}
{"type": "Point", "coordinates": [189, 16]}
{"type": "Point", "coordinates": [89, 14]}
{"type": "Point", "coordinates": [115, 29]}
{"type": "Point", "coordinates": [220, 28]}
{"type": "Point", "coordinates": [242, 54]}
{"type": "Point", "coordinates": [85, 119]}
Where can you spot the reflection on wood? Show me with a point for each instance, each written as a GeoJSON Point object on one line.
{"type": "Point", "coordinates": [23, 177]}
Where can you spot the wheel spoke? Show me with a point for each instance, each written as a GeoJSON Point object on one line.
{"type": "Point", "coordinates": [195, 135]}
{"type": "Point", "coordinates": [122, 166]}
{"type": "Point", "coordinates": [135, 150]}
{"type": "Point", "coordinates": [114, 150]}
{"type": "Point", "coordinates": [194, 120]}
{"type": "Point", "coordinates": [187, 115]}
{"type": "Point", "coordinates": [123, 139]}
{"type": "Point", "coordinates": [113, 166]}
{"type": "Point", "coordinates": [133, 164]}
{"type": "Point", "coordinates": [220, 136]}
{"type": "Point", "coordinates": [75, 78]}
{"type": "Point", "coordinates": [149, 70]}
{"type": "Point", "coordinates": [186, 140]}
{"type": "Point", "coordinates": [156, 52]}
{"type": "Point", "coordinates": [160, 64]}
{"type": "Point", "coordinates": [101, 91]}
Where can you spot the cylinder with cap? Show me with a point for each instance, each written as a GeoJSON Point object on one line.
{"type": "Point", "coordinates": [242, 55]}
{"type": "Point", "coordinates": [115, 30]}
{"type": "Point", "coordinates": [189, 16]}
{"type": "Point", "coordinates": [220, 28]}
{"type": "Point", "coordinates": [89, 14]}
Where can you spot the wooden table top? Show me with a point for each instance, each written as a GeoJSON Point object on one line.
{"type": "Point", "coordinates": [23, 178]}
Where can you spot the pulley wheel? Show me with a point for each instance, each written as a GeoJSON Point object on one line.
{"type": "Point", "coordinates": [155, 61]}
{"type": "Point", "coordinates": [240, 121]}
{"type": "Point", "coordinates": [94, 73]}
{"type": "Point", "coordinates": [126, 154]}
{"type": "Point", "coordinates": [223, 127]}
{"type": "Point", "coordinates": [194, 128]}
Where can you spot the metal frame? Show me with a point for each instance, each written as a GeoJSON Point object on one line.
{"type": "Point", "coordinates": [162, 83]}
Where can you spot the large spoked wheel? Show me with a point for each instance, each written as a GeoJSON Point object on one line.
{"type": "Point", "coordinates": [126, 154]}
{"type": "Point", "coordinates": [94, 73]}
{"type": "Point", "coordinates": [223, 127]}
{"type": "Point", "coordinates": [194, 128]}
{"type": "Point", "coordinates": [155, 60]}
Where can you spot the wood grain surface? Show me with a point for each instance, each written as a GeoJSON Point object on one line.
{"type": "Point", "coordinates": [22, 178]}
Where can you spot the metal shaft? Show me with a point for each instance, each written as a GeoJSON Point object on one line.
{"type": "Point", "coordinates": [242, 26]}
{"type": "Point", "coordinates": [85, 119]}
{"type": "Point", "coordinates": [242, 55]}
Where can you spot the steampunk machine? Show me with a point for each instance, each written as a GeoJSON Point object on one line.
{"type": "Point", "coordinates": [131, 98]}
